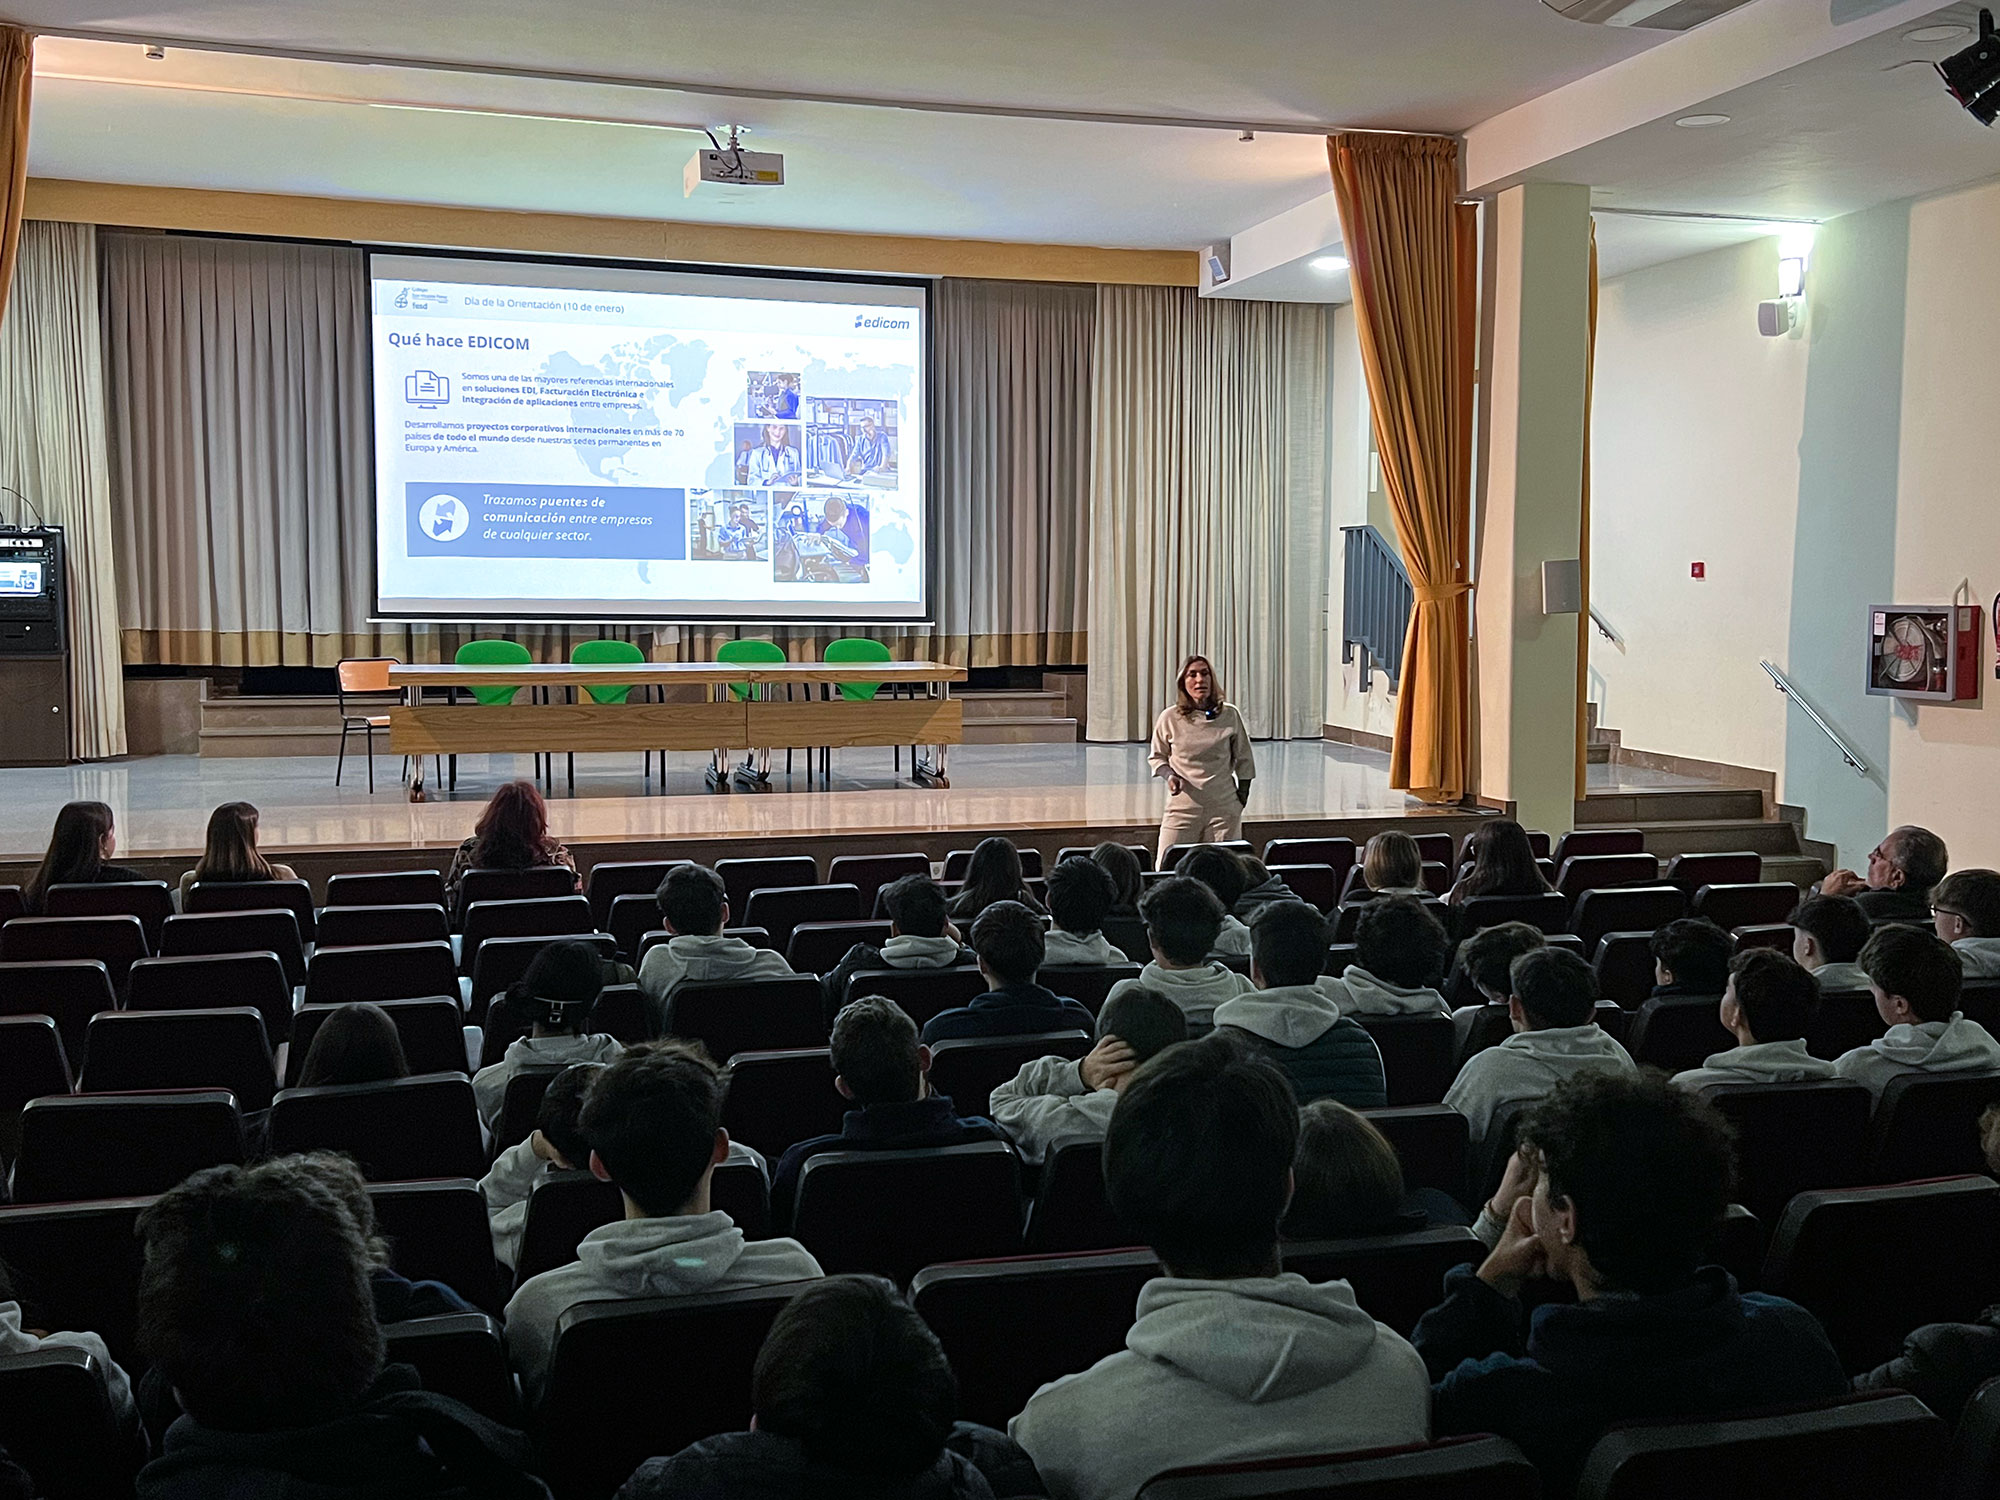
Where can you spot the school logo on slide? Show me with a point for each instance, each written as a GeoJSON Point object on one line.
{"type": "Point", "coordinates": [444, 518]}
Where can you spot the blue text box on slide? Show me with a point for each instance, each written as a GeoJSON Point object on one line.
{"type": "Point", "coordinates": [553, 521]}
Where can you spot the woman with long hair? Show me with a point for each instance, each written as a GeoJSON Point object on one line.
{"type": "Point", "coordinates": [1127, 877]}
{"type": "Point", "coordinates": [356, 1044]}
{"type": "Point", "coordinates": [994, 874]}
{"type": "Point", "coordinates": [511, 834]}
{"type": "Point", "coordinates": [79, 853]}
{"type": "Point", "coordinates": [230, 856]}
{"type": "Point", "coordinates": [1503, 863]}
{"type": "Point", "coordinates": [1201, 749]}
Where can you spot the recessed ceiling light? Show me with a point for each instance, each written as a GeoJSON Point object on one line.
{"type": "Point", "coordinates": [1937, 33]}
{"type": "Point", "coordinates": [1328, 264]}
{"type": "Point", "coordinates": [1700, 122]}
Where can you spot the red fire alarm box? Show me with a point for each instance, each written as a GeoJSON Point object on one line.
{"type": "Point", "coordinates": [1929, 652]}
{"type": "Point", "coordinates": [1698, 570]}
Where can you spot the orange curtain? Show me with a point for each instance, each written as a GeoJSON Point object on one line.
{"type": "Point", "coordinates": [1583, 545]}
{"type": "Point", "coordinates": [17, 73]}
{"type": "Point", "coordinates": [1412, 252]}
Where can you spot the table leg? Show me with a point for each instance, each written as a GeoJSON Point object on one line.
{"type": "Point", "coordinates": [413, 696]}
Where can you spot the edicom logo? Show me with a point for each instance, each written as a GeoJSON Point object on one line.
{"type": "Point", "coordinates": [862, 320]}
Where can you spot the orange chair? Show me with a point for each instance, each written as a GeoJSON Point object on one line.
{"type": "Point", "coordinates": [361, 683]}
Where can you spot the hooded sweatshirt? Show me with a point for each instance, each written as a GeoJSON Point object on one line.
{"type": "Point", "coordinates": [489, 1085]}
{"type": "Point", "coordinates": [1234, 939]}
{"type": "Point", "coordinates": [672, 1256]}
{"type": "Point", "coordinates": [1954, 1046]}
{"type": "Point", "coordinates": [1072, 948]}
{"type": "Point", "coordinates": [1362, 994]}
{"type": "Point", "coordinates": [1196, 991]}
{"type": "Point", "coordinates": [1259, 896]}
{"type": "Point", "coordinates": [977, 1464]}
{"type": "Point", "coordinates": [903, 951]}
{"type": "Point", "coordinates": [692, 958]}
{"type": "Point", "coordinates": [1047, 1101]}
{"type": "Point", "coordinates": [1325, 1055]}
{"type": "Point", "coordinates": [1842, 976]}
{"type": "Point", "coordinates": [1224, 1371]}
{"type": "Point", "coordinates": [14, 1339]}
{"type": "Point", "coordinates": [1526, 1066]}
{"type": "Point", "coordinates": [1980, 955]}
{"type": "Point", "coordinates": [1760, 1062]}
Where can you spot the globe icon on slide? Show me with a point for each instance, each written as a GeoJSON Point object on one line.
{"type": "Point", "coordinates": [444, 518]}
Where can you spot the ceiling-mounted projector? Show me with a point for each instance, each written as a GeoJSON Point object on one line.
{"type": "Point", "coordinates": [732, 166]}
{"type": "Point", "coordinates": [1654, 15]}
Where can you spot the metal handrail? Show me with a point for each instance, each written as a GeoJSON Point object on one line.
{"type": "Point", "coordinates": [1605, 629]}
{"type": "Point", "coordinates": [1376, 600]}
{"type": "Point", "coordinates": [1784, 686]}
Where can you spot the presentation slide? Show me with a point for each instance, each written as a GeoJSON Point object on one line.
{"type": "Point", "coordinates": [575, 442]}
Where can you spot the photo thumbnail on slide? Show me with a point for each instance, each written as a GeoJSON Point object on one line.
{"type": "Point", "coordinates": [822, 538]}
{"type": "Point", "coordinates": [851, 440]}
{"type": "Point", "coordinates": [767, 454]}
{"type": "Point", "coordinates": [773, 393]}
{"type": "Point", "coordinates": [729, 526]}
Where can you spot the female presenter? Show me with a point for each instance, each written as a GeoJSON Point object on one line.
{"type": "Point", "coordinates": [1202, 749]}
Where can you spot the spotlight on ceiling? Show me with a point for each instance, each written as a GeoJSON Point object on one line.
{"type": "Point", "coordinates": [1328, 265]}
{"type": "Point", "coordinates": [1973, 75]}
{"type": "Point", "coordinates": [1701, 122]}
{"type": "Point", "coordinates": [155, 52]}
{"type": "Point", "coordinates": [1937, 33]}
{"type": "Point", "coordinates": [1654, 15]}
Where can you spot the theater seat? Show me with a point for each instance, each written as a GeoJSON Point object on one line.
{"type": "Point", "coordinates": [778, 909]}
{"type": "Point", "coordinates": [1587, 872]}
{"type": "Point", "coordinates": [894, 1212]}
{"type": "Point", "coordinates": [777, 1099]}
{"type": "Point", "coordinates": [431, 1030]}
{"type": "Point", "coordinates": [78, 1265]}
{"type": "Point", "coordinates": [392, 971]}
{"type": "Point", "coordinates": [1397, 1278]}
{"type": "Point", "coordinates": [922, 993]}
{"type": "Point", "coordinates": [56, 1421]}
{"type": "Point", "coordinates": [295, 896]}
{"type": "Point", "coordinates": [1637, 908]}
{"type": "Point", "coordinates": [1927, 1125]}
{"type": "Point", "coordinates": [181, 1049]}
{"type": "Point", "coordinates": [1458, 1468]}
{"type": "Point", "coordinates": [421, 1126]}
{"type": "Point", "coordinates": [612, 878]}
{"type": "Point", "coordinates": [1598, 841]}
{"type": "Point", "coordinates": [503, 960]}
{"type": "Point", "coordinates": [67, 990]}
{"type": "Point", "coordinates": [459, 1355]}
{"type": "Point", "coordinates": [262, 930]}
{"type": "Point", "coordinates": [122, 1145]}
{"type": "Point", "coordinates": [533, 884]}
{"type": "Point", "coordinates": [521, 1103]}
{"type": "Point", "coordinates": [959, 861]}
{"type": "Point", "coordinates": [1693, 871]}
{"type": "Point", "coordinates": [754, 1015]}
{"type": "Point", "coordinates": [1417, 1055]}
{"type": "Point", "coordinates": [1887, 1447]}
{"type": "Point", "coordinates": [562, 1209]}
{"type": "Point", "coordinates": [438, 1230]}
{"type": "Point", "coordinates": [199, 981]}
{"type": "Point", "coordinates": [1070, 1212]}
{"type": "Point", "coordinates": [1624, 965]}
{"type": "Point", "coordinates": [543, 917]}
{"type": "Point", "coordinates": [1338, 854]}
{"type": "Point", "coordinates": [1973, 1469]}
{"type": "Point", "coordinates": [386, 888]}
{"type": "Point", "coordinates": [1316, 885]}
{"type": "Point", "coordinates": [969, 1069]}
{"type": "Point", "coordinates": [1089, 985]}
{"type": "Point", "coordinates": [1793, 1137]}
{"type": "Point", "coordinates": [740, 877]}
{"type": "Point", "coordinates": [1431, 1142]}
{"type": "Point", "coordinates": [1843, 1020]}
{"type": "Point", "coordinates": [868, 873]}
{"type": "Point", "coordinates": [366, 926]}
{"type": "Point", "coordinates": [817, 947]}
{"type": "Point", "coordinates": [1676, 1032]}
{"type": "Point", "coordinates": [148, 900]}
{"type": "Point", "coordinates": [33, 1065]}
{"type": "Point", "coordinates": [1731, 906]}
{"type": "Point", "coordinates": [1548, 912]}
{"type": "Point", "coordinates": [117, 941]}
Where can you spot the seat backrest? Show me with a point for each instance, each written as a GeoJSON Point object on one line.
{"type": "Point", "coordinates": [1089, 985]}
{"type": "Point", "coordinates": [868, 873]}
{"type": "Point", "coordinates": [1927, 1125]}
{"type": "Point", "coordinates": [432, 1031]}
{"type": "Point", "coordinates": [1674, 1032]}
{"type": "Point", "coordinates": [1436, 848]}
{"type": "Point", "coordinates": [606, 653]}
{"type": "Point", "coordinates": [817, 947]}
{"type": "Point", "coordinates": [562, 1208]}
{"type": "Point", "coordinates": [1070, 1212]}
{"type": "Point", "coordinates": [1431, 1141]}
{"type": "Point", "coordinates": [1347, 918]}
{"type": "Point", "coordinates": [387, 971]}
{"type": "Point", "coordinates": [527, 884]}
{"type": "Point", "coordinates": [148, 900]}
{"type": "Point", "coordinates": [1638, 908]}
{"type": "Point", "coordinates": [740, 877]}
{"type": "Point", "coordinates": [628, 921]}
{"type": "Point", "coordinates": [1487, 1162]}
{"type": "Point", "coordinates": [521, 1102]}
{"type": "Point", "coordinates": [57, 1422]}
{"type": "Point", "coordinates": [117, 941]}
{"type": "Point", "coordinates": [612, 1401]}
{"type": "Point", "coordinates": [855, 648]}
{"type": "Point", "coordinates": [1417, 1055]}
{"type": "Point", "coordinates": [894, 1212]}
{"type": "Point", "coordinates": [68, 990]}
{"type": "Point", "coordinates": [778, 909]}
{"type": "Point", "coordinates": [295, 896]}
{"type": "Point", "coordinates": [1011, 1326]}
{"type": "Point", "coordinates": [959, 861]}
{"type": "Point", "coordinates": [1624, 965]}
{"type": "Point", "coordinates": [33, 1065]}
{"type": "Point", "coordinates": [361, 926]}
{"type": "Point", "coordinates": [264, 930]}
{"type": "Point", "coordinates": [439, 1231]}
{"type": "Point", "coordinates": [460, 1355]}
{"type": "Point", "coordinates": [1973, 1470]}
{"type": "Point", "coordinates": [922, 993]}
{"type": "Point", "coordinates": [11, 903]}
{"type": "Point", "coordinates": [748, 653]}
{"type": "Point", "coordinates": [1599, 841]}
{"type": "Point", "coordinates": [1732, 906]}
{"type": "Point", "coordinates": [490, 653]}
{"type": "Point", "coordinates": [777, 1099]}
{"type": "Point", "coordinates": [1844, 1020]}
{"type": "Point", "coordinates": [1888, 1447]}
{"type": "Point", "coordinates": [422, 1126]}
{"type": "Point", "coordinates": [121, 1145]}
{"type": "Point", "coordinates": [1585, 872]}
{"type": "Point", "coordinates": [1460, 1468]}
{"type": "Point", "coordinates": [754, 1015]}
{"type": "Point", "coordinates": [356, 675]}
{"type": "Point", "coordinates": [201, 981]}
{"type": "Point", "coordinates": [1548, 912]}
{"type": "Point", "coordinates": [609, 879]}
{"type": "Point", "coordinates": [386, 888]}
{"type": "Point", "coordinates": [621, 1012]}
{"type": "Point", "coordinates": [1395, 1276]}
{"type": "Point", "coordinates": [502, 960]}
{"type": "Point", "coordinates": [223, 1048]}
{"type": "Point", "coordinates": [1776, 935]}
{"type": "Point", "coordinates": [1337, 853]}
{"type": "Point", "coordinates": [968, 1070]}
{"type": "Point", "coordinates": [77, 1265]}
{"type": "Point", "coordinates": [1872, 1264]}
{"type": "Point", "coordinates": [1693, 871]}
{"type": "Point", "coordinates": [1794, 1137]}
{"type": "Point", "coordinates": [532, 916]}
{"type": "Point", "coordinates": [1128, 936]}
{"type": "Point", "coordinates": [1316, 885]}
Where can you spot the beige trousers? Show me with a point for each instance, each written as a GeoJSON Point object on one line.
{"type": "Point", "coordinates": [1190, 822]}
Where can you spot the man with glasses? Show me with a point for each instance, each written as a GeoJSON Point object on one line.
{"type": "Point", "coordinates": [1965, 910]}
{"type": "Point", "coordinates": [1901, 871]}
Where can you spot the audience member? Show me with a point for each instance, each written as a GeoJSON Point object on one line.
{"type": "Point", "coordinates": [852, 1396]}
{"type": "Point", "coordinates": [1259, 886]}
{"type": "Point", "coordinates": [1230, 1358]}
{"type": "Point", "coordinates": [1552, 1007]}
{"type": "Point", "coordinates": [1942, 1364]}
{"type": "Point", "coordinates": [1350, 1181]}
{"type": "Point", "coordinates": [1690, 957]}
{"type": "Point", "coordinates": [1295, 1021]}
{"type": "Point", "coordinates": [921, 936]}
{"type": "Point", "coordinates": [396, 1297]}
{"type": "Point", "coordinates": [552, 1004]}
{"type": "Point", "coordinates": [1127, 877]}
{"type": "Point", "coordinates": [694, 908]}
{"type": "Point", "coordinates": [511, 834]}
{"type": "Point", "coordinates": [652, 1122]}
{"type": "Point", "coordinates": [1487, 960]}
{"type": "Point", "coordinates": [79, 853]}
{"type": "Point", "coordinates": [555, 1145]}
{"type": "Point", "coordinates": [254, 1306]}
{"type": "Point", "coordinates": [881, 1068]}
{"type": "Point", "coordinates": [1222, 872]}
{"type": "Point", "coordinates": [1400, 954]}
{"type": "Point", "coordinates": [230, 856]}
{"type": "Point", "coordinates": [1503, 863]}
{"type": "Point", "coordinates": [1768, 1007]}
{"type": "Point", "coordinates": [1827, 937]}
{"type": "Point", "coordinates": [1080, 898]}
{"type": "Point", "coordinates": [1966, 910]}
{"type": "Point", "coordinates": [1393, 865]}
{"type": "Point", "coordinates": [994, 874]}
{"type": "Point", "coordinates": [1182, 918]}
{"type": "Point", "coordinates": [17, 1338]}
{"type": "Point", "coordinates": [1058, 1098]}
{"type": "Point", "coordinates": [1916, 979]}
{"type": "Point", "coordinates": [1901, 871]}
{"type": "Point", "coordinates": [356, 1044]}
{"type": "Point", "coordinates": [1009, 941]}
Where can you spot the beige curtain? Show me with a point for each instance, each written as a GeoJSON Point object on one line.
{"type": "Point", "coordinates": [52, 449]}
{"type": "Point", "coordinates": [1208, 506]}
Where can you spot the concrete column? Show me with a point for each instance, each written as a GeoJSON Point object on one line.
{"type": "Point", "coordinates": [1535, 336]}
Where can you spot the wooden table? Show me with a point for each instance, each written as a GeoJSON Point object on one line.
{"type": "Point", "coordinates": [549, 724]}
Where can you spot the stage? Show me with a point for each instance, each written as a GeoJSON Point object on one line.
{"type": "Point", "coordinates": [1042, 795]}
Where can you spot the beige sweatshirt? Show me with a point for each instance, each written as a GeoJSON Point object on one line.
{"type": "Point", "coordinates": [1210, 755]}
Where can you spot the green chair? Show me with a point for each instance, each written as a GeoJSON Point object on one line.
{"type": "Point", "coordinates": [493, 654]}
{"type": "Point", "coordinates": [855, 648]}
{"type": "Point", "coordinates": [746, 653]}
{"type": "Point", "coordinates": [609, 653]}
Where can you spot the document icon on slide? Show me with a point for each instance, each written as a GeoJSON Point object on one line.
{"type": "Point", "coordinates": [426, 388]}
{"type": "Point", "coordinates": [444, 518]}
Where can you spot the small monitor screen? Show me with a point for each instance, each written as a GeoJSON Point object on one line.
{"type": "Point", "coordinates": [19, 579]}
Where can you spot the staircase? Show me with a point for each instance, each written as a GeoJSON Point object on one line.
{"type": "Point", "coordinates": [1699, 820]}
{"type": "Point", "coordinates": [1598, 742]}
{"type": "Point", "coordinates": [1018, 717]}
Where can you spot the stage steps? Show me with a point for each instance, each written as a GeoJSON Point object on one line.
{"type": "Point", "coordinates": [1697, 820]}
{"type": "Point", "coordinates": [1028, 716]}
